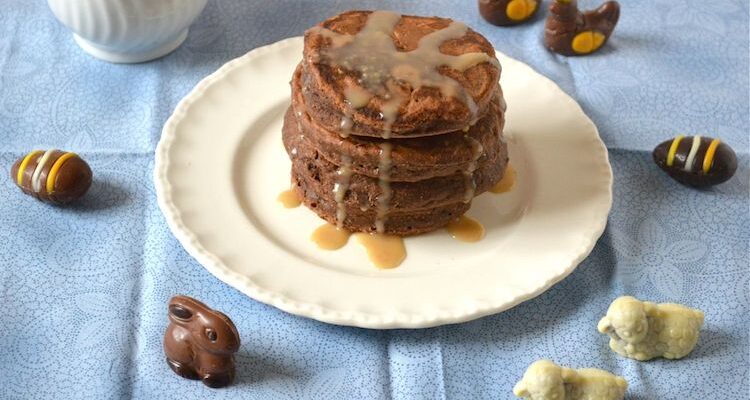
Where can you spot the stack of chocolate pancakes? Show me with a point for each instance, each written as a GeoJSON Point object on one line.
{"type": "Point", "coordinates": [396, 122]}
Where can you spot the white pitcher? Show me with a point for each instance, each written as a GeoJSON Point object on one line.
{"type": "Point", "coordinates": [127, 31]}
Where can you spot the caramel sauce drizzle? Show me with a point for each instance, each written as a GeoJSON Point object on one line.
{"type": "Point", "coordinates": [505, 184]}
{"type": "Point", "coordinates": [382, 69]}
{"type": "Point", "coordinates": [373, 54]}
{"type": "Point", "coordinates": [289, 199]}
{"type": "Point", "coordinates": [469, 183]}
{"type": "Point", "coordinates": [384, 181]}
{"type": "Point", "coordinates": [356, 97]}
{"type": "Point", "coordinates": [466, 229]}
{"type": "Point", "coordinates": [330, 237]}
{"type": "Point", "coordinates": [384, 251]}
{"type": "Point", "coordinates": [343, 175]}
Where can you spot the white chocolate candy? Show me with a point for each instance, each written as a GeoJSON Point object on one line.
{"type": "Point", "coordinates": [693, 151]}
{"type": "Point", "coordinates": [36, 177]}
{"type": "Point", "coordinates": [643, 330]}
{"type": "Point", "coordinates": [545, 380]}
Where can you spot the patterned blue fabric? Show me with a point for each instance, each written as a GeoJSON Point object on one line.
{"type": "Point", "coordinates": [84, 288]}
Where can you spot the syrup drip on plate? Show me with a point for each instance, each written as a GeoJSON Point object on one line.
{"type": "Point", "coordinates": [329, 237]}
{"type": "Point", "coordinates": [466, 229]}
{"type": "Point", "coordinates": [505, 184]}
{"type": "Point", "coordinates": [289, 199]}
{"type": "Point", "coordinates": [384, 251]}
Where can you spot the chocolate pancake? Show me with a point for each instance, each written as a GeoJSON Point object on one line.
{"type": "Point", "coordinates": [411, 203]}
{"type": "Point", "coordinates": [363, 191]}
{"type": "Point", "coordinates": [403, 86]}
{"type": "Point", "coordinates": [413, 159]}
{"type": "Point", "coordinates": [401, 223]}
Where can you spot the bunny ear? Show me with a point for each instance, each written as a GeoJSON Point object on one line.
{"type": "Point", "coordinates": [179, 312]}
{"type": "Point", "coordinates": [182, 308]}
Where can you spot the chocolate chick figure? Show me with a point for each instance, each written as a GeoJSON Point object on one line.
{"type": "Point", "coordinates": [508, 12]}
{"type": "Point", "coordinates": [570, 32]}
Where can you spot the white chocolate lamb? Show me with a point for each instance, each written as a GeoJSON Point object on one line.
{"type": "Point", "coordinates": [643, 330]}
{"type": "Point", "coordinates": [545, 380]}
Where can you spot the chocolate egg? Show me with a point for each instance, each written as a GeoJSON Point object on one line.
{"type": "Point", "coordinates": [52, 176]}
{"type": "Point", "coordinates": [696, 160]}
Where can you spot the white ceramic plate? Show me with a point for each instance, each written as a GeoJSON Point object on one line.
{"type": "Point", "coordinates": [220, 165]}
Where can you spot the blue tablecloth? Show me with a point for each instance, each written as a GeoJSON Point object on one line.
{"type": "Point", "coordinates": [84, 288]}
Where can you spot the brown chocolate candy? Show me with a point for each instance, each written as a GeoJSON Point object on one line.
{"type": "Point", "coordinates": [570, 32]}
{"type": "Point", "coordinates": [52, 176]}
{"type": "Point", "coordinates": [696, 161]}
{"type": "Point", "coordinates": [507, 12]}
{"type": "Point", "coordinates": [200, 342]}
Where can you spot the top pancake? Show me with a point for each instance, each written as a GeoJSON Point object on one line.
{"type": "Point", "coordinates": [422, 111]}
{"type": "Point", "coordinates": [413, 159]}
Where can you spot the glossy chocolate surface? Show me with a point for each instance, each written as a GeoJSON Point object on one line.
{"type": "Point", "coordinates": [200, 342]}
{"type": "Point", "coordinates": [52, 176]}
{"type": "Point", "coordinates": [507, 12]}
{"type": "Point", "coordinates": [569, 32]}
{"type": "Point", "coordinates": [700, 170]}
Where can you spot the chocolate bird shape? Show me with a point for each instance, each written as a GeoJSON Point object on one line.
{"type": "Point", "coordinates": [508, 12]}
{"type": "Point", "coordinates": [570, 32]}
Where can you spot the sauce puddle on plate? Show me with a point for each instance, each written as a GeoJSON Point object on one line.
{"type": "Point", "coordinates": [289, 199]}
{"type": "Point", "coordinates": [505, 184]}
{"type": "Point", "coordinates": [466, 229]}
{"type": "Point", "coordinates": [329, 237]}
{"type": "Point", "coordinates": [384, 251]}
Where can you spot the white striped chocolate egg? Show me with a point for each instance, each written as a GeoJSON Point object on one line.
{"type": "Point", "coordinates": [53, 176]}
{"type": "Point", "coordinates": [697, 161]}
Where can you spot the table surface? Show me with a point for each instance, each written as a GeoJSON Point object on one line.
{"type": "Point", "coordinates": [84, 288]}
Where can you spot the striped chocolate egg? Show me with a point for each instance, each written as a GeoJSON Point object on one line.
{"type": "Point", "coordinates": [696, 160]}
{"type": "Point", "coordinates": [52, 176]}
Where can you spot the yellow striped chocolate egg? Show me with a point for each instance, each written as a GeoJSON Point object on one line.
{"type": "Point", "coordinates": [53, 176]}
{"type": "Point", "coordinates": [696, 160]}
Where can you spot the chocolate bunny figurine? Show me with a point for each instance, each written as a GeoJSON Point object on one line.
{"type": "Point", "coordinates": [200, 342]}
{"type": "Point", "coordinates": [572, 33]}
